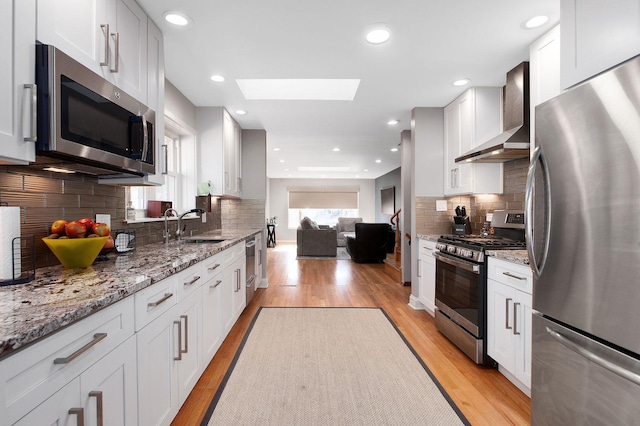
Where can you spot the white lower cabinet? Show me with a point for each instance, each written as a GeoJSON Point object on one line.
{"type": "Point", "coordinates": [61, 409]}
{"type": "Point", "coordinates": [427, 274]}
{"type": "Point", "coordinates": [212, 307]}
{"type": "Point", "coordinates": [190, 358]}
{"type": "Point", "coordinates": [509, 318]}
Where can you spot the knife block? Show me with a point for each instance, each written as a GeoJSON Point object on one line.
{"type": "Point", "coordinates": [462, 225]}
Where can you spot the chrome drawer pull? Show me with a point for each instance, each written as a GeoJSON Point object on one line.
{"type": "Point", "coordinates": [79, 413]}
{"type": "Point", "coordinates": [506, 313]}
{"type": "Point", "coordinates": [116, 40]}
{"type": "Point", "coordinates": [186, 334]}
{"type": "Point", "coordinates": [179, 357]}
{"type": "Point", "coordinates": [213, 268]}
{"type": "Point", "coordinates": [509, 274]}
{"type": "Point", "coordinates": [156, 303]}
{"type": "Point", "coordinates": [105, 30]}
{"type": "Point", "coordinates": [96, 338]}
{"type": "Point", "coordinates": [216, 284]}
{"type": "Point", "coordinates": [515, 319]}
{"type": "Point", "coordinates": [100, 413]}
{"type": "Point", "coordinates": [196, 278]}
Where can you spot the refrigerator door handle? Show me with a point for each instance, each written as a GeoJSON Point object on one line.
{"type": "Point", "coordinates": [537, 265]}
{"type": "Point", "coordinates": [594, 357]}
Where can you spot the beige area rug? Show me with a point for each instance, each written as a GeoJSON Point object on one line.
{"type": "Point", "coordinates": [328, 366]}
{"type": "Point", "coordinates": [341, 254]}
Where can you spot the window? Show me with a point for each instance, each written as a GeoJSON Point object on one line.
{"type": "Point", "coordinates": [322, 205]}
{"type": "Point", "coordinates": [180, 177]}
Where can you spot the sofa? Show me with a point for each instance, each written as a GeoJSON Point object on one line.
{"type": "Point", "coordinates": [346, 225]}
{"type": "Point", "coordinates": [315, 240]}
{"type": "Point", "coordinates": [370, 242]}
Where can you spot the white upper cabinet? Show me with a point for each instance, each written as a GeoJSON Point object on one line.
{"type": "Point", "coordinates": [544, 73]}
{"type": "Point", "coordinates": [220, 153]}
{"type": "Point", "coordinates": [17, 79]}
{"type": "Point", "coordinates": [597, 35]}
{"type": "Point", "coordinates": [107, 36]}
{"type": "Point", "coordinates": [471, 119]}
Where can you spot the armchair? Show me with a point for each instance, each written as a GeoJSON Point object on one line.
{"type": "Point", "coordinates": [315, 240]}
{"type": "Point", "coordinates": [370, 243]}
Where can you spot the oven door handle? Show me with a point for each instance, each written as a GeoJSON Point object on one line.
{"type": "Point", "coordinates": [458, 263]}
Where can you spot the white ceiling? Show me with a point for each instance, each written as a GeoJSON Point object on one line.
{"type": "Point", "coordinates": [432, 44]}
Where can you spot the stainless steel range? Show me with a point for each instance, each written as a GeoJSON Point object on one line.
{"type": "Point", "coordinates": [461, 282]}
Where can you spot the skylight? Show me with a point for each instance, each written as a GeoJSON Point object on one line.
{"type": "Point", "coordinates": [309, 89]}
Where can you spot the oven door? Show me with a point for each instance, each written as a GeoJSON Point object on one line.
{"type": "Point", "coordinates": [460, 292]}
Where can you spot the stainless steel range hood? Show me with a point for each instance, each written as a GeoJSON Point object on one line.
{"type": "Point", "coordinates": [513, 143]}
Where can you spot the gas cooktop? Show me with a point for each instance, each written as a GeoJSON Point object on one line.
{"type": "Point", "coordinates": [479, 241]}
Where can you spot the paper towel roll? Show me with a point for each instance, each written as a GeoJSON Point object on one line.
{"type": "Point", "coordinates": [9, 229]}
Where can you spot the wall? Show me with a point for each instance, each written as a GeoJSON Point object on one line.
{"type": "Point", "coordinates": [177, 105]}
{"type": "Point", "coordinates": [254, 164]}
{"type": "Point", "coordinates": [393, 178]}
{"type": "Point", "coordinates": [279, 200]}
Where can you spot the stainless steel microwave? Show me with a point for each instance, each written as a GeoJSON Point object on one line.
{"type": "Point", "coordinates": [87, 122]}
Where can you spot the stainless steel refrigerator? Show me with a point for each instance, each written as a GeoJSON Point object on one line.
{"type": "Point", "coordinates": [583, 237]}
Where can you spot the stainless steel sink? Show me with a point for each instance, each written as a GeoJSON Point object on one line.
{"type": "Point", "coordinates": [203, 240]}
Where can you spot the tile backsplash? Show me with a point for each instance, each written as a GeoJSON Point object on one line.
{"type": "Point", "coordinates": [44, 197]}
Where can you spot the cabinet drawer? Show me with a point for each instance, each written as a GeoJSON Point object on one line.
{"type": "Point", "coordinates": [154, 300]}
{"type": "Point", "coordinates": [426, 247]}
{"type": "Point", "coordinates": [189, 281]}
{"type": "Point", "coordinates": [233, 253]}
{"type": "Point", "coordinates": [212, 266]}
{"type": "Point", "coordinates": [512, 274]}
{"type": "Point", "coordinates": [34, 374]}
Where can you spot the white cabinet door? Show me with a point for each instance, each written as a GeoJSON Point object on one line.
{"type": "Point", "coordinates": [597, 35]}
{"type": "Point", "coordinates": [158, 350]}
{"type": "Point", "coordinates": [190, 361]}
{"type": "Point", "coordinates": [229, 288]}
{"type": "Point", "coordinates": [258, 264]}
{"type": "Point", "coordinates": [211, 317]}
{"type": "Point", "coordinates": [427, 274]}
{"type": "Point", "coordinates": [110, 388]}
{"type": "Point", "coordinates": [501, 342]}
{"type": "Point", "coordinates": [471, 119]}
{"type": "Point", "coordinates": [240, 296]}
{"type": "Point", "coordinates": [62, 409]}
{"type": "Point", "coordinates": [17, 103]}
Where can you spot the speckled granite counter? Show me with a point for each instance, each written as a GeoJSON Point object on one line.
{"type": "Point", "coordinates": [515, 256]}
{"type": "Point", "coordinates": [429, 237]}
{"type": "Point", "coordinates": [59, 296]}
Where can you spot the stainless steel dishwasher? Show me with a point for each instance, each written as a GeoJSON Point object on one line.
{"type": "Point", "coordinates": [250, 247]}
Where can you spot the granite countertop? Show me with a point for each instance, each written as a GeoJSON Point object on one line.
{"type": "Point", "coordinates": [515, 256]}
{"type": "Point", "coordinates": [58, 296]}
{"type": "Point", "coordinates": [429, 237]}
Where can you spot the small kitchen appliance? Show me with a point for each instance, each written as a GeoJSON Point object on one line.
{"type": "Point", "coordinates": [461, 282]}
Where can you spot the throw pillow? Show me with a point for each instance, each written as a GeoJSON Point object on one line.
{"type": "Point", "coordinates": [306, 223]}
{"type": "Point", "coordinates": [314, 225]}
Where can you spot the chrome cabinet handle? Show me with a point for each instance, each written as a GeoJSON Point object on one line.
{"type": "Point", "coordinates": [195, 278]}
{"type": "Point", "coordinates": [100, 412]}
{"type": "Point", "coordinates": [33, 108]}
{"type": "Point", "coordinates": [179, 357]}
{"type": "Point", "coordinates": [105, 30]}
{"type": "Point", "coordinates": [509, 274]}
{"type": "Point", "coordinates": [145, 135]}
{"type": "Point", "coordinates": [506, 312]}
{"type": "Point", "coordinates": [164, 298]}
{"type": "Point", "coordinates": [419, 268]}
{"type": "Point", "coordinates": [600, 359]}
{"type": "Point", "coordinates": [260, 257]}
{"type": "Point", "coordinates": [186, 334]}
{"type": "Point", "coordinates": [116, 39]}
{"type": "Point", "coordinates": [79, 413]}
{"type": "Point", "coordinates": [216, 284]}
{"type": "Point", "coordinates": [214, 267]}
{"type": "Point", "coordinates": [515, 319]}
{"type": "Point", "coordinates": [96, 338]}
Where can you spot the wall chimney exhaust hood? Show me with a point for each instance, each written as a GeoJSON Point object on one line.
{"type": "Point", "coordinates": [513, 143]}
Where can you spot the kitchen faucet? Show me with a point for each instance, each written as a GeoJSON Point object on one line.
{"type": "Point", "coordinates": [179, 229]}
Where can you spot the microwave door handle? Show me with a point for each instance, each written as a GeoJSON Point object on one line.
{"type": "Point", "coordinates": [145, 138]}
{"type": "Point", "coordinates": [537, 265]}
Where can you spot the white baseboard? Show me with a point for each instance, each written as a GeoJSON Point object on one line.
{"type": "Point", "coordinates": [415, 303]}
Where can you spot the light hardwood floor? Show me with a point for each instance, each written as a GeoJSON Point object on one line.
{"type": "Point", "coordinates": [483, 395]}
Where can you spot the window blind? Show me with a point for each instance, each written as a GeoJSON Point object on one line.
{"type": "Point", "coordinates": [323, 198]}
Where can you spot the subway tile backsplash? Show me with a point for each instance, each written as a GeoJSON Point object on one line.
{"type": "Point", "coordinates": [44, 197]}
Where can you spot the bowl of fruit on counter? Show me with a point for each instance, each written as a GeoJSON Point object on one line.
{"type": "Point", "coordinates": [77, 243]}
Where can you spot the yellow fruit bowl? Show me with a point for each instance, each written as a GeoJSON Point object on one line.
{"type": "Point", "coordinates": [76, 252]}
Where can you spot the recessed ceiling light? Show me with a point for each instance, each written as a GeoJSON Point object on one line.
{"type": "Point", "coordinates": [217, 78]}
{"type": "Point", "coordinates": [461, 82]}
{"type": "Point", "coordinates": [394, 149]}
{"type": "Point", "coordinates": [392, 122]}
{"type": "Point", "coordinates": [366, 170]}
{"type": "Point", "coordinates": [177, 18]}
{"type": "Point", "coordinates": [282, 161]}
{"type": "Point", "coordinates": [336, 149]}
{"type": "Point", "coordinates": [241, 112]}
{"type": "Point", "coordinates": [276, 149]}
{"type": "Point", "coordinates": [378, 161]}
{"type": "Point", "coordinates": [378, 35]}
{"type": "Point", "coordinates": [536, 21]}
